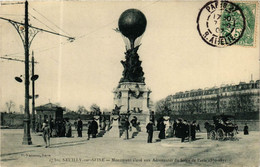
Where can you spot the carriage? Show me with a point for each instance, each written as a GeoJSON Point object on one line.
{"type": "Point", "coordinates": [222, 129]}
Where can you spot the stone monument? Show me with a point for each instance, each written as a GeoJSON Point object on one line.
{"type": "Point", "coordinates": [131, 94]}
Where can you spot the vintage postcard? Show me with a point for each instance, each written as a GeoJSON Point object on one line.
{"type": "Point", "coordinates": [129, 83]}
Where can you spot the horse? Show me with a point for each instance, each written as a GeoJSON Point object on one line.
{"type": "Point", "coordinates": [209, 128]}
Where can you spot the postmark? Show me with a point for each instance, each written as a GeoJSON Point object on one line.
{"type": "Point", "coordinates": [221, 23]}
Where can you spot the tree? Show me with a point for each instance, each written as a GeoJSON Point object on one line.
{"type": "Point", "coordinates": [95, 109]}
{"type": "Point", "coordinates": [81, 110]}
{"type": "Point", "coordinates": [10, 105]}
{"type": "Point", "coordinates": [21, 107]}
{"type": "Point", "coordinates": [194, 105]}
{"type": "Point", "coordinates": [162, 107]}
{"type": "Point", "coordinates": [241, 102]}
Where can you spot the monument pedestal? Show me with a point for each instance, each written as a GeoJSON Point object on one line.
{"type": "Point", "coordinates": [133, 97]}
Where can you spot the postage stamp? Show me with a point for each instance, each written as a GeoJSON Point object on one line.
{"type": "Point", "coordinates": [250, 11]}
{"type": "Point", "coordinates": [225, 23]}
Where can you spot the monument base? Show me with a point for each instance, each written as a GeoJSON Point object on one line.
{"type": "Point", "coordinates": [132, 97]}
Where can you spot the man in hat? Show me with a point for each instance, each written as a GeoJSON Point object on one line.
{"type": "Point", "coordinates": [127, 125]}
{"type": "Point", "coordinates": [79, 127]}
{"type": "Point", "coordinates": [149, 129]}
{"type": "Point", "coordinates": [94, 128]}
{"type": "Point", "coordinates": [193, 130]}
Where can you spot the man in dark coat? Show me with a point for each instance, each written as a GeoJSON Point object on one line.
{"type": "Point", "coordinates": [127, 124]}
{"type": "Point", "coordinates": [149, 129]}
{"type": "Point", "coordinates": [79, 127]}
{"type": "Point", "coordinates": [193, 130]}
{"type": "Point", "coordinates": [89, 129]}
{"type": "Point", "coordinates": [94, 128]}
{"type": "Point", "coordinates": [182, 130]}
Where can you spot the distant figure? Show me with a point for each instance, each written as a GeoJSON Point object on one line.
{"type": "Point", "coordinates": [127, 125]}
{"type": "Point", "coordinates": [169, 132]}
{"type": "Point", "coordinates": [193, 130]}
{"type": "Point", "coordinates": [161, 127]}
{"type": "Point", "coordinates": [68, 128]}
{"type": "Point", "coordinates": [209, 128]}
{"type": "Point", "coordinates": [246, 130]}
{"type": "Point", "coordinates": [52, 124]}
{"type": "Point", "coordinates": [152, 118]}
{"type": "Point", "coordinates": [94, 128]}
{"type": "Point", "coordinates": [63, 128]}
{"type": "Point", "coordinates": [54, 132]}
{"type": "Point", "coordinates": [174, 126]}
{"type": "Point", "coordinates": [183, 128]}
{"type": "Point", "coordinates": [103, 123]}
{"type": "Point", "coordinates": [89, 129]}
{"type": "Point", "coordinates": [46, 134]}
{"type": "Point", "coordinates": [75, 124]}
{"type": "Point", "coordinates": [198, 127]}
{"type": "Point", "coordinates": [79, 127]}
{"type": "Point", "coordinates": [149, 129]}
{"type": "Point", "coordinates": [134, 121]}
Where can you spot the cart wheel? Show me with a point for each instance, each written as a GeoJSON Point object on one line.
{"type": "Point", "coordinates": [220, 134]}
{"type": "Point", "coordinates": [212, 135]}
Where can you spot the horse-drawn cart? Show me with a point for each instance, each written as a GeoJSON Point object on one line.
{"type": "Point", "coordinates": [222, 129]}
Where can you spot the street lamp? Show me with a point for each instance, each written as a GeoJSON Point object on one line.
{"type": "Point", "coordinates": [27, 35]}
{"type": "Point", "coordinates": [33, 96]}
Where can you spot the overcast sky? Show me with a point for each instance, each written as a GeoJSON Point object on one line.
{"type": "Point", "coordinates": [174, 57]}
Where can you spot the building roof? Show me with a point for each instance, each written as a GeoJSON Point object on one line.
{"type": "Point", "coordinates": [49, 107]}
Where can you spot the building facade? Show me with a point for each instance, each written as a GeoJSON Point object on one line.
{"type": "Point", "coordinates": [243, 97]}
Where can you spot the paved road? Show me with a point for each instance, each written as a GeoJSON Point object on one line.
{"type": "Point", "coordinates": [115, 152]}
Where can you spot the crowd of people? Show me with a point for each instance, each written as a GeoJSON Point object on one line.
{"type": "Point", "coordinates": [179, 128]}
{"type": "Point", "coordinates": [64, 129]}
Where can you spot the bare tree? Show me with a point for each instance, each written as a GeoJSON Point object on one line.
{"type": "Point", "coordinates": [10, 105]}
{"type": "Point", "coordinates": [21, 107]}
{"type": "Point", "coordinates": [95, 109]}
{"type": "Point", "coordinates": [163, 107]}
{"type": "Point", "coordinates": [82, 110]}
{"type": "Point", "coordinates": [194, 106]}
{"type": "Point", "coordinates": [241, 102]}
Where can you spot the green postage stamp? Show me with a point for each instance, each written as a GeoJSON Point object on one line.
{"type": "Point", "coordinates": [250, 11]}
{"type": "Point", "coordinates": [226, 23]}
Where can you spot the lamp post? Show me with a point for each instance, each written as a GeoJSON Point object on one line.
{"type": "Point", "coordinates": [27, 136]}
{"type": "Point", "coordinates": [27, 38]}
{"type": "Point", "coordinates": [33, 78]}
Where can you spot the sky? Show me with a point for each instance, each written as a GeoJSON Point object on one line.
{"type": "Point", "coordinates": [174, 57]}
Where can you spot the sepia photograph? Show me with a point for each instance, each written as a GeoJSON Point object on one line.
{"type": "Point", "coordinates": [115, 83]}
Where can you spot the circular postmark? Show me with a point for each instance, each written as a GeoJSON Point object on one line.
{"type": "Point", "coordinates": [221, 23]}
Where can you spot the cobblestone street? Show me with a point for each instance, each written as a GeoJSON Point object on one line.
{"type": "Point", "coordinates": [110, 151]}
